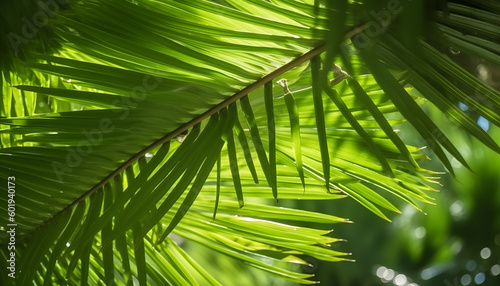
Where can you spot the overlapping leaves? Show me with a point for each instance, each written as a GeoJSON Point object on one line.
{"type": "Point", "coordinates": [109, 195]}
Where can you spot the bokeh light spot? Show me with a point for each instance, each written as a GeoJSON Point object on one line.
{"type": "Point", "coordinates": [462, 106]}
{"type": "Point", "coordinates": [388, 274]}
{"type": "Point", "coordinates": [471, 265]}
{"type": "Point", "coordinates": [400, 280]}
{"type": "Point", "coordinates": [466, 279]}
{"type": "Point", "coordinates": [485, 253]}
{"type": "Point", "coordinates": [380, 271]}
{"type": "Point", "coordinates": [456, 208]}
{"type": "Point", "coordinates": [479, 278]}
{"type": "Point", "coordinates": [420, 232]}
{"type": "Point", "coordinates": [495, 270]}
{"type": "Point", "coordinates": [483, 123]}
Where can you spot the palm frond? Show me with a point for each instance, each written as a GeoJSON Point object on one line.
{"type": "Point", "coordinates": [103, 188]}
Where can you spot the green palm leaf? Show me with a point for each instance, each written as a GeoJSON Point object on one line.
{"type": "Point", "coordinates": [103, 189]}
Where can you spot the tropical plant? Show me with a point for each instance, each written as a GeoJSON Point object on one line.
{"type": "Point", "coordinates": [128, 124]}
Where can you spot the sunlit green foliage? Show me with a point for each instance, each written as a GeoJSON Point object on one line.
{"type": "Point", "coordinates": [90, 117]}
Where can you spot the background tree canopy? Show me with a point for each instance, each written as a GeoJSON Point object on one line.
{"type": "Point", "coordinates": [133, 133]}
